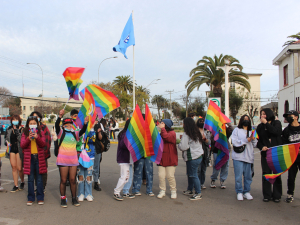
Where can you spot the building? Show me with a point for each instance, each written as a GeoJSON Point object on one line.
{"type": "Point", "coordinates": [28, 104]}
{"type": "Point", "coordinates": [288, 61]}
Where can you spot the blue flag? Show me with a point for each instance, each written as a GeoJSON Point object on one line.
{"type": "Point", "coordinates": [127, 38]}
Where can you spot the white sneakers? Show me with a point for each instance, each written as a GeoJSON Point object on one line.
{"type": "Point", "coordinates": [161, 194]}
{"type": "Point", "coordinates": [173, 194]}
{"type": "Point", "coordinates": [89, 198]}
{"type": "Point", "coordinates": [247, 196]}
{"type": "Point", "coordinates": [81, 198]}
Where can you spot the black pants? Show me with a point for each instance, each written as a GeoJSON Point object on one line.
{"type": "Point", "coordinates": [267, 186]}
{"type": "Point", "coordinates": [292, 176]}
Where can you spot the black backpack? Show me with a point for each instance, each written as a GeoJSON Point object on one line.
{"type": "Point", "coordinates": [102, 145]}
{"type": "Point", "coordinates": [57, 145]}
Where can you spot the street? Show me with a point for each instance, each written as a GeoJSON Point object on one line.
{"type": "Point", "coordinates": [216, 207]}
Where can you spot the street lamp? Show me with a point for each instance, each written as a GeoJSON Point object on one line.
{"type": "Point", "coordinates": [102, 62]}
{"type": "Point", "coordinates": [152, 82]}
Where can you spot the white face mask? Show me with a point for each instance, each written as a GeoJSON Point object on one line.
{"type": "Point", "coordinates": [32, 126]}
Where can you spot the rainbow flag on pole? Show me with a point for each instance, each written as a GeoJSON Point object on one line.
{"type": "Point", "coordinates": [254, 133]}
{"type": "Point", "coordinates": [72, 76]}
{"type": "Point", "coordinates": [280, 159]}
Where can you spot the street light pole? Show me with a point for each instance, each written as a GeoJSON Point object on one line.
{"type": "Point", "coordinates": [102, 62]}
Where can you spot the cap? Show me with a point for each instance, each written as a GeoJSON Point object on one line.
{"type": "Point", "coordinates": [291, 112]}
{"type": "Point", "coordinates": [67, 120]}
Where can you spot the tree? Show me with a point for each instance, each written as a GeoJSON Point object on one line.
{"type": "Point", "coordinates": [14, 105]}
{"type": "Point", "coordinates": [159, 101]}
{"type": "Point", "coordinates": [142, 96]}
{"type": "Point", "coordinates": [295, 36]}
{"type": "Point", "coordinates": [43, 108]}
{"type": "Point", "coordinates": [176, 109]}
{"type": "Point", "coordinates": [197, 106]}
{"type": "Point", "coordinates": [4, 95]}
{"type": "Point", "coordinates": [251, 102]}
{"type": "Point", "coordinates": [235, 103]}
{"type": "Point", "coordinates": [124, 83]}
{"type": "Point", "coordinates": [207, 73]}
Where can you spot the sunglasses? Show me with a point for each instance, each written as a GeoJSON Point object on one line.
{"type": "Point", "coordinates": [32, 117]}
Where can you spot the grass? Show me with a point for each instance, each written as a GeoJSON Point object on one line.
{"type": "Point", "coordinates": [178, 129]}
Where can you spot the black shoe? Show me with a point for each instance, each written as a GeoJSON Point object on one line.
{"type": "Point", "coordinates": [266, 200]}
{"type": "Point", "coordinates": [14, 189]}
{"type": "Point", "coordinates": [63, 203]}
{"type": "Point", "coordinates": [75, 202]}
{"type": "Point", "coordinates": [128, 196]}
{"type": "Point", "coordinates": [118, 197]}
{"type": "Point", "coordinates": [96, 187]}
{"type": "Point", "coordinates": [22, 186]}
{"type": "Point", "coordinates": [289, 198]}
{"type": "Point", "coordinates": [68, 183]}
{"type": "Point", "coordinates": [276, 200]}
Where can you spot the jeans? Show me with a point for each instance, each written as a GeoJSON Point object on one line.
{"type": "Point", "coordinates": [96, 167]}
{"type": "Point", "coordinates": [129, 183]}
{"type": "Point", "coordinates": [224, 170]}
{"type": "Point", "coordinates": [34, 170]}
{"type": "Point", "coordinates": [85, 186]}
{"type": "Point", "coordinates": [193, 179]}
{"type": "Point", "coordinates": [202, 172]}
{"type": "Point", "coordinates": [242, 169]}
{"type": "Point", "coordinates": [138, 175]}
{"type": "Point", "coordinates": [124, 178]}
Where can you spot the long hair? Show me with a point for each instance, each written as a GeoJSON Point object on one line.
{"type": "Point", "coordinates": [103, 121]}
{"type": "Point", "coordinates": [269, 114]}
{"type": "Point", "coordinates": [125, 128]}
{"type": "Point", "coordinates": [16, 117]}
{"type": "Point", "coordinates": [241, 121]}
{"type": "Point", "coordinates": [191, 129]}
{"type": "Point", "coordinates": [26, 129]}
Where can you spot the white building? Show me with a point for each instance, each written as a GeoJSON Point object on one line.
{"type": "Point", "coordinates": [288, 61]}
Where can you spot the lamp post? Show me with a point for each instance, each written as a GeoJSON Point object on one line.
{"type": "Point", "coordinates": [102, 62]}
{"type": "Point", "coordinates": [151, 84]}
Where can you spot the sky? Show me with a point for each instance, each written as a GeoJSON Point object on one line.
{"type": "Point", "coordinates": [171, 36]}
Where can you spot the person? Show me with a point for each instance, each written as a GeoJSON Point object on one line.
{"type": "Point", "coordinates": [191, 147]}
{"type": "Point", "coordinates": [67, 159]}
{"type": "Point", "coordinates": [85, 175]}
{"type": "Point", "coordinates": [96, 167]}
{"type": "Point", "coordinates": [169, 160]}
{"type": "Point", "coordinates": [32, 143]}
{"type": "Point", "coordinates": [13, 138]}
{"type": "Point", "coordinates": [114, 127]}
{"type": "Point", "coordinates": [243, 159]}
{"type": "Point", "coordinates": [104, 126]}
{"type": "Point", "coordinates": [47, 146]}
{"type": "Point", "coordinates": [291, 134]}
{"type": "Point", "coordinates": [224, 169]}
{"type": "Point", "coordinates": [269, 133]}
{"type": "Point", "coordinates": [206, 136]}
{"type": "Point", "coordinates": [124, 160]}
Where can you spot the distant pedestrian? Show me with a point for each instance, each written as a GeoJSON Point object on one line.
{"type": "Point", "coordinates": [114, 127]}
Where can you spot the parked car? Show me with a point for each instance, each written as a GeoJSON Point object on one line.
{"type": "Point", "coordinates": [4, 125]}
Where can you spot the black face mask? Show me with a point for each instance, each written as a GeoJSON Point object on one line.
{"type": "Point", "coordinates": [246, 123]}
{"type": "Point", "coordinates": [201, 125]}
{"type": "Point", "coordinates": [290, 120]}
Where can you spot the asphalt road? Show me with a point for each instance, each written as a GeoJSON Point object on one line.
{"type": "Point", "coordinates": [218, 206]}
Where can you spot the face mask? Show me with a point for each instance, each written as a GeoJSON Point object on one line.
{"type": "Point", "coordinates": [246, 123]}
{"type": "Point", "coordinates": [201, 125]}
{"type": "Point", "coordinates": [290, 120]}
{"type": "Point", "coordinates": [16, 123]}
{"type": "Point", "coordinates": [32, 126]}
{"type": "Point", "coordinates": [67, 129]}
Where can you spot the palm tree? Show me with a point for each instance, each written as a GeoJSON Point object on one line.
{"type": "Point", "coordinates": [159, 101]}
{"type": "Point", "coordinates": [296, 36]}
{"type": "Point", "coordinates": [207, 73]}
{"type": "Point", "coordinates": [124, 83]}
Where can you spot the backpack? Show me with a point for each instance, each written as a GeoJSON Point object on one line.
{"type": "Point", "coordinates": [102, 145]}
{"type": "Point", "coordinates": [57, 145]}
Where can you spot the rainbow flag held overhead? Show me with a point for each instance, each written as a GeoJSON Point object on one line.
{"type": "Point", "coordinates": [154, 144]}
{"type": "Point", "coordinates": [254, 133]}
{"type": "Point", "coordinates": [280, 159]}
{"type": "Point", "coordinates": [72, 76]}
{"type": "Point", "coordinates": [134, 137]}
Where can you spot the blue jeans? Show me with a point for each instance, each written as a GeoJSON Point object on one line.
{"type": "Point", "coordinates": [138, 175]}
{"type": "Point", "coordinates": [240, 169]}
{"type": "Point", "coordinates": [193, 179]}
{"type": "Point", "coordinates": [96, 168]}
{"type": "Point", "coordinates": [224, 170]}
{"type": "Point", "coordinates": [85, 186]}
{"type": "Point", "coordinates": [129, 182]}
{"type": "Point", "coordinates": [34, 170]}
{"type": "Point", "coordinates": [202, 172]}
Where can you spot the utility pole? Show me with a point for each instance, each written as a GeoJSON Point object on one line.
{"type": "Point", "coordinates": [170, 92]}
{"type": "Point", "coordinates": [23, 83]}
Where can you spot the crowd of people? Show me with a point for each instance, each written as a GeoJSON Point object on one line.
{"type": "Point", "coordinates": [30, 151]}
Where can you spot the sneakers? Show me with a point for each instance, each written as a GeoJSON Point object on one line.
{"type": "Point", "coordinates": [248, 196]}
{"type": "Point", "coordinates": [137, 193]}
{"type": "Point", "coordinates": [161, 194]}
{"type": "Point", "coordinates": [81, 198]}
{"type": "Point", "coordinates": [203, 187]}
{"type": "Point", "coordinates": [222, 185]}
{"type": "Point", "coordinates": [266, 200]}
{"type": "Point", "coordinates": [276, 200]}
{"type": "Point", "coordinates": [97, 187]}
{"type": "Point", "coordinates": [128, 195]}
{"type": "Point", "coordinates": [240, 197]}
{"type": "Point", "coordinates": [75, 202]}
{"type": "Point", "coordinates": [29, 203]}
{"type": "Point", "coordinates": [289, 198]}
{"type": "Point", "coordinates": [196, 197]}
{"type": "Point", "coordinates": [41, 202]}
{"type": "Point", "coordinates": [63, 203]}
{"type": "Point", "coordinates": [22, 186]}
{"type": "Point", "coordinates": [187, 192]}
{"type": "Point", "coordinates": [173, 194]}
{"type": "Point", "coordinates": [14, 189]}
{"type": "Point", "coordinates": [151, 194]}
{"type": "Point", "coordinates": [118, 197]}
{"type": "Point", "coordinates": [89, 198]}
{"type": "Point", "coordinates": [212, 184]}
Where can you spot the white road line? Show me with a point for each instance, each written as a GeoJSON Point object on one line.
{"type": "Point", "coordinates": [9, 221]}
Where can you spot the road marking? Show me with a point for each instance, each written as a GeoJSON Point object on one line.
{"type": "Point", "coordinates": [9, 221]}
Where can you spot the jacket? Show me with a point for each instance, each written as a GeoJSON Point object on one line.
{"type": "Point", "coordinates": [47, 134]}
{"type": "Point", "coordinates": [26, 146]}
{"type": "Point", "coordinates": [291, 134]}
{"type": "Point", "coordinates": [269, 135]}
{"type": "Point", "coordinates": [123, 154]}
{"type": "Point", "coordinates": [169, 156]}
{"type": "Point", "coordinates": [190, 149]}
{"type": "Point", "coordinates": [7, 138]}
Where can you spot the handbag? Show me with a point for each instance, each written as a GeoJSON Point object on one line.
{"type": "Point", "coordinates": [242, 148]}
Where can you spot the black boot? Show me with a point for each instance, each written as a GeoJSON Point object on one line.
{"type": "Point", "coordinates": [75, 202]}
{"type": "Point", "coordinates": [96, 187]}
{"type": "Point", "coordinates": [63, 203]}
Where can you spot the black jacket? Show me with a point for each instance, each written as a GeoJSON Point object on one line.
{"type": "Point", "coordinates": [291, 134]}
{"type": "Point", "coordinates": [269, 135]}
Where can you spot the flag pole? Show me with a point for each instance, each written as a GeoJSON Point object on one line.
{"type": "Point", "coordinates": [133, 92]}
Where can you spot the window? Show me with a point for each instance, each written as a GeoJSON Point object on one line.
{"type": "Point", "coordinates": [285, 76]}
{"type": "Point", "coordinates": [286, 106]}
{"type": "Point", "coordinates": [23, 116]}
{"type": "Point", "coordinates": [232, 85]}
{"type": "Point", "coordinates": [24, 107]}
{"type": "Point", "coordinates": [30, 107]}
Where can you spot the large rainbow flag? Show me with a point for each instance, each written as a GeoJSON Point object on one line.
{"type": "Point", "coordinates": [72, 76]}
{"type": "Point", "coordinates": [154, 144]}
{"type": "Point", "coordinates": [280, 159]}
{"type": "Point", "coordinates": [215, 122]}
{"type": "Point", "coordinates": [134, 137]}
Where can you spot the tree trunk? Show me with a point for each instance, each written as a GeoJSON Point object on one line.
{"type": "Point", "coordinates": [158, 113]}
{"type": "Point", "coordinates": [217, 90]}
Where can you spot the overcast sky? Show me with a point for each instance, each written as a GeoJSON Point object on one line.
{"type": "Point", "coordinates": [171, 36]}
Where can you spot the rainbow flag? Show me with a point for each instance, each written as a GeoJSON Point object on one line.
{"type": "Point", "coordinates": [134, 137]}
{"type": "Point", "coordinates": [8, 147]}
{"type": "Point", "coordinates": [200, 117]}
{"type": "Point", "coordinates": [254, 133]}
{"type": "Point", "coordinates": [72, 76]}
{"type": "Point", "coordinates": [154, 144]}
{"type": "Point", "coordinates": [112, 135]}
{"type": "Point", "coordinates": [280, 159]}
{"type": "Point", "coordinates": [215, 122]}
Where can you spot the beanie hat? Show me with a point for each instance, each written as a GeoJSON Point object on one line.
{"type": "Point", "coordinates": [168, 122]}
